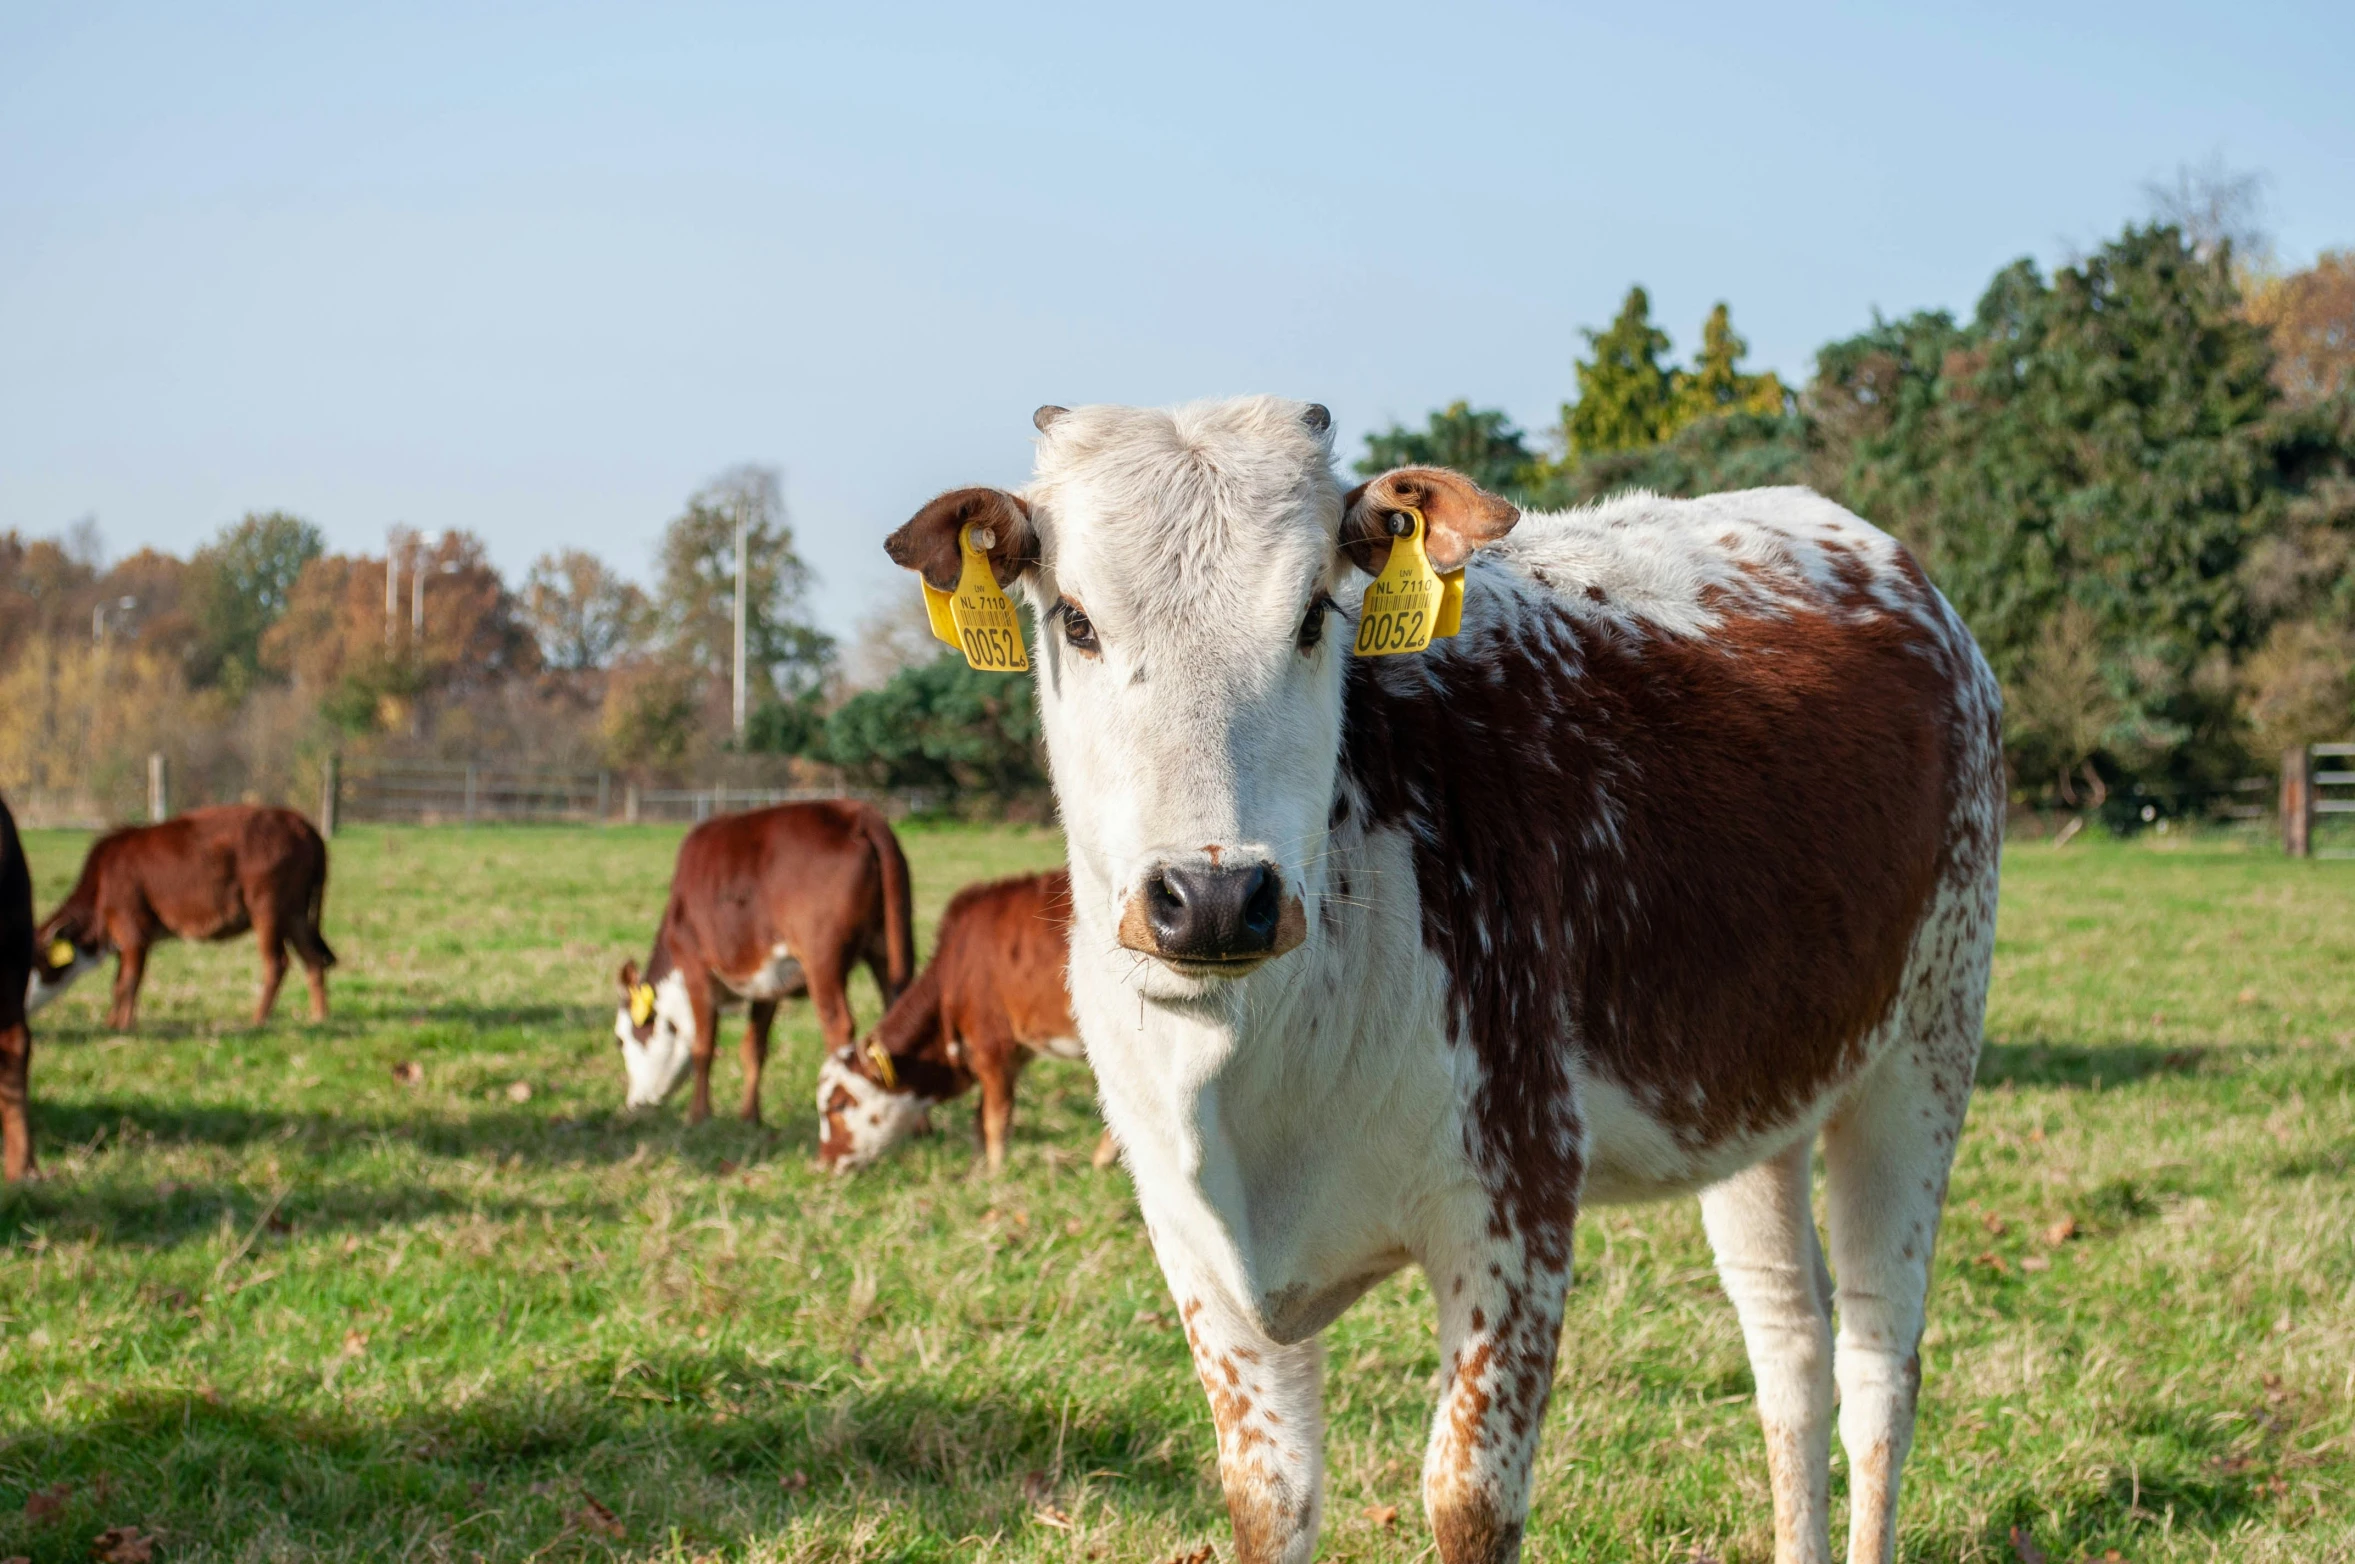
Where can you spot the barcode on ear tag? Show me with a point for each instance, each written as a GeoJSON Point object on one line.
{"type": "Point", "coordinates": [1401, 608]}
{"type": "Point", "coordinates": [936, 609]}
{"type": "Point", "coordinates": [987, 631]}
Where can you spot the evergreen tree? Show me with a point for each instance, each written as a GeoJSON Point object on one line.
{"type": "Point", "coordinates": [1717, 384]}
{"type": "Point", "coordinates": [1627, 398]}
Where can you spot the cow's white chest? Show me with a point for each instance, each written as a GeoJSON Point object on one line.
{"type": "Point", "coordinates": [774, 978]}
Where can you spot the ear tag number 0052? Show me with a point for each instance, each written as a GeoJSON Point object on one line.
{"type": "Point", "coordinates": [1409, 603]}
{"type": "Point", "coordinates": [977, 618]}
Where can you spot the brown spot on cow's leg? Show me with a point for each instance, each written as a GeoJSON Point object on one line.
{"type": "Point", "coordinates": [1263, 1399]}
{"type": "Point", "coordinates": [1499, 1323]}
{"type": "Point", "coordinates": [16, 1126]}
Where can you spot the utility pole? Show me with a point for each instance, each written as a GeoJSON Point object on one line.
{"type": "Point", "coordinates": [741, 507]}
{"type": "Point", "coordinates": [392, 584]}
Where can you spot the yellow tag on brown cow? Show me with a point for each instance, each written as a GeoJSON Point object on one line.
{"type": "Point", "coordinates": [641, 1004]}
{"type": "Point", "coordinates": [880, 1058]}
{"type": "Point", "coordinates": [936, 609]}
{"type": "Point", "coordinates": [987, 631]}
{"type": "Point", "coordinates": [1451, 604]}
{"type": "Point", "coordinates": [1401, 610]}
{"type": "Point", "coordinates": [61, 953]}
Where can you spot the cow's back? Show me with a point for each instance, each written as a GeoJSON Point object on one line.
{"type": "Point", "coordinates": [1002, 953]}
{"type": "Point", "coordinates": [1681, 795]}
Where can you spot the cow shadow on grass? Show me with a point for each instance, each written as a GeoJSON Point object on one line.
{"type": "Point", "coordinates": [2070, 1066]}
{"type": "Point", "coordinates": [78, 1027]}
{"type": "Point", "coordinates": [706, 1450]}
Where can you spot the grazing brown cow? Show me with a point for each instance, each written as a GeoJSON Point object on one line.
{"type": "Point", "coordinates": [210, 874]}
{"type": "Point", "coordinates": [993, 996]}
{"type": "Point", "coordinates": [764, 905]}
{"type": "Point", "coordinates": [16, 968]}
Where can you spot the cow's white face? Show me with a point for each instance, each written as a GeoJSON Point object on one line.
{"type": "Point", "coordinates": [1195, 606]}
{"type": "Point", "coordinates": [858, 1119]}
{"type": "Point", "coordinates": [51, 977]}
{"type": "Point", "coordinates": [657, 1055]}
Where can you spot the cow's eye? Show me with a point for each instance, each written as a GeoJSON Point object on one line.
{"type": "Point", "coordinates": [1078, 628]}
{"type": "Point", "coordinates": [1312, 623]}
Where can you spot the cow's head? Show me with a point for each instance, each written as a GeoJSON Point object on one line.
{"type": "Point", "coordinates": [62, 951]}
{"type": "Point", "coordinates": [656, 1028]}
{"type": "Point", "coordinates": [1195, 575]}
{"type": "Point", "coordinates": [864, 1108]}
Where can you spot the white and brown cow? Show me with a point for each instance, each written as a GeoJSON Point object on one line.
{"type": "Point", "coordinates": [763, 906]}
{"type": "Point", "coordinates": [992, 996]}
{"type": "Point", "coordinates": [1680, 856]}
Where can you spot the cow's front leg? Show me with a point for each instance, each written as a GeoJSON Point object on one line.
{"type": "Point", "coordinates": [703, 1003]}
{"type": "Point", "coordinates": [1500, 1320]}
{"type": "Point", "coordinates": [1267, 1400]}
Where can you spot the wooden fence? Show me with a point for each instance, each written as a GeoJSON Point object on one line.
{"type": "Point", "coordinates": [432, 792]}
{"type": "Point", "coordinates": [2307, 782]}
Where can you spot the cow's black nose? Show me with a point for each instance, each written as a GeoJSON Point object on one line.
{"type": "Point", "coordinates": [1214, 914]}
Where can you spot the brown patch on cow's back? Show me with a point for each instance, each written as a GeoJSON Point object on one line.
{"type": "Point", "coordinates": [1702, 858]}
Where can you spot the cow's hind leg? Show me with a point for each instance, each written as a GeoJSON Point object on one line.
{"type": "Point", "coordinates": [1762, 1227]}
{"type": "Point", "coordinates": [1267, 1400]}
{"type": "Point", "coordinates": [759, 1016]}
{"type": "Point", "coordinates": [310, 948]}
{"type": "Point", "coordinates": [1886, 1157]}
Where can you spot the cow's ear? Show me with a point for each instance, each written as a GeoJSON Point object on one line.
{"type": "Point", "coordinates": [927, 544]}
{"type": "Point", "coordinates": [1459, 516]}
{"type": "Point", "coordinates": [629, 976]}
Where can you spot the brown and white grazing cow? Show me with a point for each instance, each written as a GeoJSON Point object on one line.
{"type": "Point", "coordinates": [1680, 856]}
{"type": "Point", "coordinates": [764, 905]}
{"type": "Point", "coordinates": [16, 972]}
{"type": "Point", "coordinates": [992, 997]}
{"type": "Point", "coordinates": [210, 874]}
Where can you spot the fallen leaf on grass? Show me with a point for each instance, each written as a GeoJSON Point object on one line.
{"type": "Point", "coordinates": [1106, 1153]}
{"type": "Point", "coordinates": [592, 1516]}
{"type": "Point", "coordinates": [2025, 1547]}
{"type": "Point", "coordinates": [1075, 1228]}
{"type": "Point", "coordinates": [1382, 1514]}
{"type": "Point", "coordinates": [1038, 1490]}
{"type": "Point", "coordinates": [794, 1481]}
{"type": "Point", "coordinates": [1995, 1262]}
{"type": "Point", "coordinates": [1048, 1515]}
{"type": "Point", "coordinates": [726, 1167]}
{"type": "Point", "coordinates": [355, 1342]}
{"type": "Point", "coordinates": [1993, 1223]}
{"type": "Point", "coordinates": [521, 1091]}
{"type": "Point", "coordinates": [1201, 1555]}
{"type": "Point", "coordinates": [123, 1545]}
{"type": "Point", "coordinates": [2061, 1232]}
{"type": "Point", "coordinates": [43, 1506]}
{"type": "Point", "coordinates": [408, 1072]}
{"type": "Point", "coordinates": [2036, 1262]}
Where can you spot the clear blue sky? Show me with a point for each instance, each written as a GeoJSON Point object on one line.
{"type": "Point", "coordinates": [538, 272]}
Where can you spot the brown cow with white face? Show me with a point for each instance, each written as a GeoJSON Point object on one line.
{"type": "Point", "coordinates": [1678, 859]}
{"type": "Point", "coordinates": [210, 874]}
{"type": "Point", "coordinates": [992, 996]}
{"type": "Point", "coordinates": [16, 971]}
{"type": "Point", "coordinates": [764, 906]}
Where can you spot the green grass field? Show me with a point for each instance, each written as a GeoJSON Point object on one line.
{"type": "Point", "coordinates": [270, 1302]}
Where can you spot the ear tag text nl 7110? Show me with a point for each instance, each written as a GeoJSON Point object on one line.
{"type": "Point", "coordinates": [987, 631]}
{"type": "Point", "coordinates": [1402, 608]}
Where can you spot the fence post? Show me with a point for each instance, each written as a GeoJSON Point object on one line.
{"type": "Point", "coordinates": [159, 798]}
{"type": "Point", "coordinates": [330, 793]}
{"type": "Point", "coordinates": [629, 803]}
{"type": "Point", "coordinates": [604, 795]}
{"type": "Point", "coordinates": [470, 795]}
{"type": "Point", "coordinates": [2297, 802]}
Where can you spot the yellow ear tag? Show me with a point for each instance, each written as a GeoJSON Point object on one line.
{"type": "Point", "coordinates": [641, 1004]}
{"type": "Point", "coordinates": [62, 953]}
{"type": "Point", "coordinates": [880, 1058]}
{"type": "Point", "coordinates": [936, 609]}
{"type": "Point", "coordinates": [1401, 609]}
{"type": "Point", "coordinates": [987, 631]}
{"type": "Point", "coordinates": [1451, 604]}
